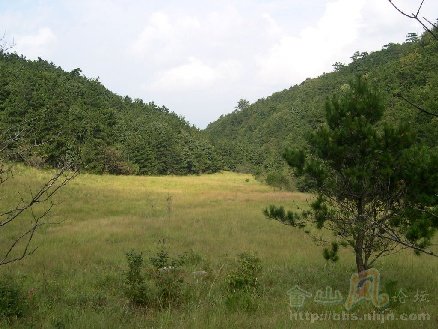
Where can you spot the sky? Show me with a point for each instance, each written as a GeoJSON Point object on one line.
{"type": "Point", "coordinates": [199, 57]}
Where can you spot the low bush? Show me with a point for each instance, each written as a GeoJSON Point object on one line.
{"type": "Point", "coordinates": [280, 179]}
{"type": "Point", "coordinates": [13, 303]}
{"type": "Point", "coordinates": [162, 284]}
{"type": "Point", "coordinates": [242, 283]}
{"type": "Point", "coordinates": [136, 287]}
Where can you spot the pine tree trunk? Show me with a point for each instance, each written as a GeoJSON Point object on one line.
{"type": "Point", "coordinates": [358, 248]}
{"type": "Point", "coordinates": [359, 255]}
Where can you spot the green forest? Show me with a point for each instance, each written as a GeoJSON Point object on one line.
{"type": "Point", "coordinates": [55, 116]}
{"type": "Point", "coordinates": [62, 115]}
{"type": "Point", "coordinates": [254, 136]}
{"type": "Point", "coordinates": [320, 200]}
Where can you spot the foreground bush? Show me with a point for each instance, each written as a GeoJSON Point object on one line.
{"type": "Point", "coordinates": [243, 285]}
{"type": "Point", "coordinates": [162, 284]}
{"type": "Point", "coordinates": [12, 301]}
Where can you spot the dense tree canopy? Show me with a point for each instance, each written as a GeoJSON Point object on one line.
{"type": "Point", "coordinates": [64, 114]}
{"type": "Point", "coordinates": [375, 185]}
{"type": "Point", "coordinates": [253, 138]}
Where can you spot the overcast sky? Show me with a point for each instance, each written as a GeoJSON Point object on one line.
{"type": "Point", "coordinates": [199, 57]}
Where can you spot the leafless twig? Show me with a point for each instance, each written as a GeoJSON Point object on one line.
{"type": "Point", "coordinates": [5, 46]}
{"type": "Point", "coordinates": [20, 247]}
{"type": "Point", "coordinates": [422, 20]}
{"type": "Point", "coordinates": [419, 108]}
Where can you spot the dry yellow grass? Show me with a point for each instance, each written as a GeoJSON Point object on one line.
{"type": "Point", "coordinates": [217, 216]}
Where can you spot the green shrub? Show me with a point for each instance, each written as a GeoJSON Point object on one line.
{"type": "Point", "coordinates": [136, 287]}
{"type": "Point", "coordinates": [161, 285]}
{"type": "Point", "coordinates": [245, 276]}
{"type": "Point", "coordinates": [13, 303]}
{"type": "Point", "coordinates": [168, 276]}
{"type": "Point", "coordinates": [171, 287]}
{"type": "Point", "coordinates": [280, 180]}
{"type": "Point", "coordinates": [243, 286]}
{"type": "Point", "coordinates": [161, 260]}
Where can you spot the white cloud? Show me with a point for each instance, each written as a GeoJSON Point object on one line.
{"type": "Point", "coordinates": [158, 29]}
{"type": "Point", "coordinates": [295, 57]}
{"type": "Point", "coordinates": [38, 44]}
{"type": "Point", "coordinates": [199, 58]}
{"type": "Point", "coordinates": [385, 18]}
{"type": "Point", "coordinates": [163, 36]}
{"type": "Point", "coordinates": [272, 29]}
{"type": "Point", "coordinates": [195, 75]}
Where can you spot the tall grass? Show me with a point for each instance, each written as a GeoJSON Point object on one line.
{"type": "Point", "coordinates": [75, 279]}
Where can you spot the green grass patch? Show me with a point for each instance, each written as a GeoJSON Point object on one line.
{"type": "Point", "coordinates": [77, 277]}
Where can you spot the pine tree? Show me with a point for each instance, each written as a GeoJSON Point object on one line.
{"type": "Point", "coordinates": [375, 186]}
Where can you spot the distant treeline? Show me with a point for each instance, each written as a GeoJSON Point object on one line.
{"type": "Point", "coordinates": [49, 115]}
{"type": "Point", "coordinates": [57, 115]}
{"type": "Point", "coordinates": [254, 136]}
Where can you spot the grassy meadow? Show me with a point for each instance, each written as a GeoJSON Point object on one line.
{"type": "Point", "coordinates": [76, 277]}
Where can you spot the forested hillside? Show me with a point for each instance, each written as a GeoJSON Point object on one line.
{"type": "Point", "coordinates": [56, 114]}
{"type": "Point", "coordinates": [50, 114]}
{"type": "Point", "coordinates": [253, 137]}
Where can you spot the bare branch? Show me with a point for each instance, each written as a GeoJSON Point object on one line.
{"type": "Point", "coordinates": [419, 108]}
{"type": "Point", "coordinates": [418, 19]}
{"type": "Point", "coordinates": [5, 46]}
{"type": "Point", "coordinates": [44, 194]}
{"type": "Point", "coordinates": [407, 244]}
